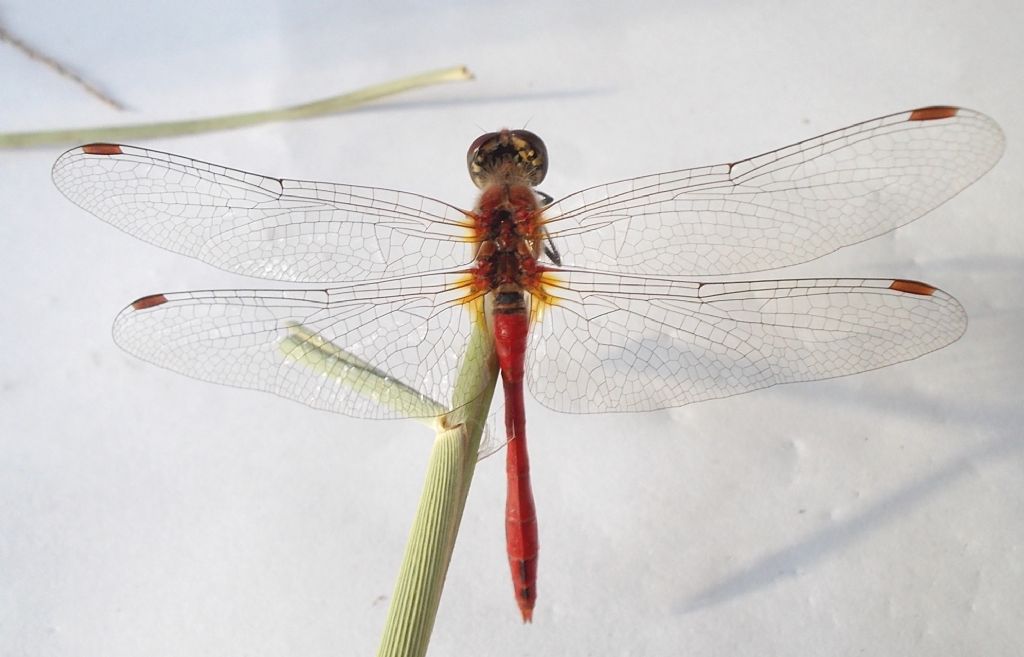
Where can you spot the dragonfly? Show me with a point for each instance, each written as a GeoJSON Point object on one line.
{"type": "Point", "coordinates": [618, 297]}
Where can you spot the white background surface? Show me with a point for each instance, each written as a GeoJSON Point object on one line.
{"type": "Point", "coordinates": [144, 513]}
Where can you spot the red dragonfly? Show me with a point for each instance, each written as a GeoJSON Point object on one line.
{"type": "Point", "coordinates": [626, 326]}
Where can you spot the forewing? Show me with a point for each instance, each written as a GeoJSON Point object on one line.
{"type": "Point", "coordinates": [280, 229]}
{"type": "Point", "coordinates": [632, 343]}
{"type": "Point", "coordinates": [781, 208]}
{"type": "Point", "coordinates": [387, 349]}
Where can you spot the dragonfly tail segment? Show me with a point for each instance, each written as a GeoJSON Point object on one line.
{"type": "Point", "coordinates": [520, 513]}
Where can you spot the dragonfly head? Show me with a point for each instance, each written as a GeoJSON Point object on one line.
{"type": "Point", "coordinates": [515, 153]}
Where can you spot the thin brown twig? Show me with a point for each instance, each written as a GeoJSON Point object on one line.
{"type": "Point", "coordinates": [54, 65]}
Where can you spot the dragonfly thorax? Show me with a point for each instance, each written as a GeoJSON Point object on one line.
{"type": "Point", "coordinates": [508, 225]}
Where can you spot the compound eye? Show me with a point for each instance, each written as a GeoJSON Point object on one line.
{"type": "Point", "coordinates": [533, 153]}
{"type": "Point", "coordinates": [478, 156]}
{"type": "Point", "coordinates": [519, 154]}
{"type": "Point", "coordinates": [474, 148]}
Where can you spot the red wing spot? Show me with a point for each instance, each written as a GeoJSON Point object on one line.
{"type": "Point", "coordinates": [149, 302]}
{"type": "Point", "coordinates": [912, 287]}
{"type": "Point", "coordinates": [932, 113]}
{"type": "Point", "coordinates": [101, 149]}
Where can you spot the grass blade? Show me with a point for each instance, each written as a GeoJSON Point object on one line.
{"type": "Point", "coordinates": [334, 104]}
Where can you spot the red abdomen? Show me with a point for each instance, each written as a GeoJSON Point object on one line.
{"type": "Point", "coordinates": [510, 329]}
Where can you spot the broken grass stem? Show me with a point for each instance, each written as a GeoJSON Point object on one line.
{"type": "Point", "coordinates": [321, 107]}
{"type": "Point", "coordinates": [450, 469]}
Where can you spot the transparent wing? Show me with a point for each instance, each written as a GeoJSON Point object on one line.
{"type": "Point", "coordinates": [632, 343]}
{"type": "Point", "coordinates": [784, 207]}
{"type": "Point", "coordinates": [286, 230]}
{"type": "Point", "coordinates": [493, 439]}
{"type": "Point", "coordinates": [387, 349]}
